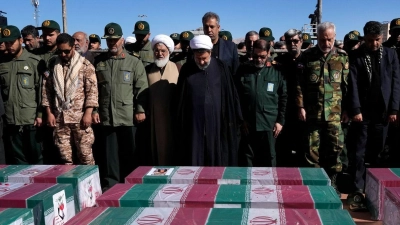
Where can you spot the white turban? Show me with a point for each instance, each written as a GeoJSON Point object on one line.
{"type": "Point", "coordinates": [130, 39]}
{"type": "Point", "coordinates": [201, 42]}
{"type": "Point", "coordinates": [165, 39]}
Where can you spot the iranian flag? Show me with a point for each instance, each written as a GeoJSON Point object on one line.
{"type": "Point", "coordinates": [84, 179]}
{"type": "Point", "coordinates": [220, 196]}
{"type": "Point", "coordinates": [203, 216]}
{"type": "Point", "coordinates": [228, 175]}
{"type": "Point", "coordinates": [16, 216]}
{"type": "Point", "coordinates": [377, 179]}
{"type": "Point", "coordinates": [51, 203]}
{"type": "Point", "coordinates": [391, 211]}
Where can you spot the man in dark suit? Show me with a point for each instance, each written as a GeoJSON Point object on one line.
{"type": "Point", "coordinates": [374, 96]}
{"type": "Point", "coordinates": [222, 49]}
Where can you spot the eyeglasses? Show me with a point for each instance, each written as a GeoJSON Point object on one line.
{"type": "Point", "coordinates": [64, 51]}
{"type": "Point", "coordinates": [294, 41]}
{"type": "Point", "coordinates": [260, 56]}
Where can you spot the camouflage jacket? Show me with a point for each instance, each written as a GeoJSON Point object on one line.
{"type": "Point", "coordinates": [322, 84]}
{"type": "Point", "coordinates": [86, 94]}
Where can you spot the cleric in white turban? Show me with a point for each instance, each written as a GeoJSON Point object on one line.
{"type": "Point", "coordinates": [162, 76]}
{"type": "Point", "coordinates": [208, 109]}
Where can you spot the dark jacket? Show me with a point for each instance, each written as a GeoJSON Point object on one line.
{"type": "Point", "coordinates": [359, 82]}
{"type": "Point", "coordinates": [228, 54]}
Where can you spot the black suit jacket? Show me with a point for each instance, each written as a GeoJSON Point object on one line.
{"type": "Point", "coordinates": [228, 53]}
{"type": "Point", "coordinates": [359, 82]}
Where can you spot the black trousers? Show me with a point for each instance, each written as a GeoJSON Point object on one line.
{"type": "Point", "coordinates": [2, 152]}
{"type": "Point", "coordinates": [370, 136]}
{"type": "Point", "coordinates": [117, 144]}
{"type": "Point", "coordinates": [260, 149]}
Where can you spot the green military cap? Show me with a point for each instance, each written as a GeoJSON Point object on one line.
{"type": "Point", "coordinates": [266, 34]}
{"type": "Point", "coordinates": [112, 30]}
{"type": "Point", "coordinates": [9, 33]}
{"type": "Point", "coordinates": [141, 27]}
{"type": "Point", "coordinates": [226, 35]}
{"type": "Point", "coordinates": [49, 24]}
{"type": "Point", "coordinates": [395, 24]}
{"type": "Point", "coordinates": [94, 38]}
{"type": "Point", "coordinates": [174, 36]}
{"type": "Point", "coordinates": [352, 36]}
{"type": "Point", "coordinates": [186, 36]}
{"type": "Point", "coordinates": [306, 38]}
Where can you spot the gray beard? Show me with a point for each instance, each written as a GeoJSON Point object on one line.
{"type": "Point", "coordinates": [161, 62]}
{"type": "Point", "coordinates": [203, 67]}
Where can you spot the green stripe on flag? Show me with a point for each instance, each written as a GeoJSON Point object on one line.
{"type": "Point", "coordinates": [232, 195]}
{"type": "Point", "coordinates": [77, 174]}
{"type": "Point", "coordinates": [237, 173]}
{"type": "Point", "coordinates": [225, 216]}
{"type": "Point", "coordinates": [116, 216]}
{"type": "Point", "coordinates": [9, 170]}
{"type": "Point", "coordinates": [314, 176]}
{"type": "Point", "coordinates": [46, 196]}
{"type": "Point", "coordinates": [159, 179]}
{"type": "Point", "coordinates": [329, 217]}
{"type": "Point", "coordinates": [143, 195]}
{"type": "Point", "coordinates": [396, 171]}
{"type": "Point", "coordinates": [325, 197]}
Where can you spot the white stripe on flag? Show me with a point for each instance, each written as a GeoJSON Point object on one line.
{"type": "Point", "coordinates": [262, 176]}
{"type": "Point", "coordinates": [263, 216]}
{"type": "Point", "coordinates": [170, 195]}
{"type": "Point", "coordinates": [26, 175]}
{"type": "Point", "coordinates": [158, 216]}
{"type": "Point", "coordinates": [185, 175]}
{"type": "Point", "coordinates": [264, 196]}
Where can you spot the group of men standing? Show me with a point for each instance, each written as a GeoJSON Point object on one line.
{"type": "Point", "coordinates": [149, 106]}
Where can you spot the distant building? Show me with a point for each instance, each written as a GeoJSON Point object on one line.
{"type": "Point", "coordinates": [198, 31]}
{"type": "Point", "coordinates": [385, 28]}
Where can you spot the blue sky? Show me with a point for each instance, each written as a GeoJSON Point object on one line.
{"type": "Point", "coordinates": [169, 16]}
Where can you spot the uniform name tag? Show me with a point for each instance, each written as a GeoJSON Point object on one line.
{"type": "Point", "coordinates": [270, 87]}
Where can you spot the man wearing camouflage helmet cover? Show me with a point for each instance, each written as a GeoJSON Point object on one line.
{"type": "Point", "coordinates": [122, 83]}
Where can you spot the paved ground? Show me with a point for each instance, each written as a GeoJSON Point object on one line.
{"type": "Point", "coordinates": [361, 218]}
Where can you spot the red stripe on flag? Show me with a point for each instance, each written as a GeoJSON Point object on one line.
{"type": "Point", "coordinates": [112, 196]}
{"type": "Point", "coordinates": [191, 216]}
{"type": "Point", "coordinates": [210, 175]}
{"type": "Point", "coordinates": [288, 176]}
{"type": "Point", "coordinates": [50, 176]}
{"type": "Point", "coordinates": [201, 196]}
{"type": "Point", "coordinates": [3, 166]}
{"type": "Point", "coordinates": [302, 216]}
{"type": "Point", "coordinates": [87, 215]}
{"type": "Point", "coordinates": [136, 177]}
{"type": "Point", "coordinates": [297, 197]}
{"type": "Point", "coordinates": [385, 176]}
{"type": "Point", "coordinates": [19, 198]}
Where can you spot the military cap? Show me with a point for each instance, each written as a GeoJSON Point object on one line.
{"type": "Point", "coordinates": [226, 35]}
{"type": "Point", "coordinates": [186, 36]}
{"type": "Point", "coordinates": [141, 27]}
{"type": "Point", "coordinates": [352, 36]}
{"type": "Point", "coordinates": [174, 36]}
{"type": "Point", "coordinates": [266, 34]}
{"type": "Point", "coordinates": [306, 38]}
{"type": "Point", "coordinates": [94, 38]}
{"type": "Point", "coordinates": [49, 24]}
{"type": "Point", "coordinates": [112, 30]}
{"type": "Point", "coordinates": [9, 33]}
{"type": "Point", "coordinates": [395, 24]}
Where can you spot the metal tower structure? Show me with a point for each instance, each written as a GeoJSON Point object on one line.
{"type": "Point", "coordinates": [35, 4]}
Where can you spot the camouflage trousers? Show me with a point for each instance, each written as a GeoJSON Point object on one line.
{"type": "Point", "coordinates": [326, 141]}
{"type": "Point", "coordinates": [71, 136]}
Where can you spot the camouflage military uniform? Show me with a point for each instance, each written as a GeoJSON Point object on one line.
{"type": "Point", "coordinates": [68, 131]}
{"type": "Point", "coordinates": [322, 83]}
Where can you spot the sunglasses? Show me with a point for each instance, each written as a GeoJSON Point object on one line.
{"type": "Point", "coordinates": [260, 56]}
{"type": "Point", "coordinates": [64, 51]}
{"type": "Point", "coordinates": [294, 41]}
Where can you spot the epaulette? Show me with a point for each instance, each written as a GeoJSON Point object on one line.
{"type": "Point", "coordinates": [36, 57]}
{"type": "Point", "coordinates": [136, 55]}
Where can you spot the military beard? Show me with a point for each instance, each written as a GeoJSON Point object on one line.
{"type": "Point", "coordinates": [161, 62]}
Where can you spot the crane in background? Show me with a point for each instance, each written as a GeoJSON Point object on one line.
{"type": "Point", "coordinates": [35, 4]}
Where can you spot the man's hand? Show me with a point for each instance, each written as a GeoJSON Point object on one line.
{"type": "Point", "coordinates": [302, 114]}
{"type": "Point", "coordinates": [392, 118]}
{"type": "Point", "coordinates": [245, 128]}
{"type": "Point", "coordinates": [37, 122]}
{"type": "Point", "coordinates": [345, 117]}
{"type": "Point", "coordinates": [95, 118]}
{"type": "Point", "coordinates": [86, 120]}
{"type": "Point", "coordinates": [51, 120]}
{"type": "Point", "coordinates": [277, 129]}
{"type": "Point", "coordinates": [358, 118]}
{"type": "Point", "coordinates": [140, 117]}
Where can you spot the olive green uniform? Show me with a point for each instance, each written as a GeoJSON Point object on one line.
{"type": "Point", "coordinates": [21, 92]}
{"type": "Point", "coordinates": [122, 82]}
{"type": "Point", "coordinates": [145, 53]}
{"type": "Point", "coordinates": [322, 83]}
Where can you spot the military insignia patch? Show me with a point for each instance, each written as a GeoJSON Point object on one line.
{"type": "Point", "coordinates": [140, 26]}
{"type": "Point", "coordinates": [127, 76]}
{"type": "Point", "coordinates": [267, 33]}
{"type": "Point", "coordinates": [6, 32]}
{"type": "Point", "coordinates": [352, 36]}
{"type": "Point", "coordinates": [46, 23]}
{"type": "Point", "coordinates": [356, 32]}
{"type": "Point", "coordinates": [25, 81]}
{"type": "Point", "coordinates": [92, 36]}
{"type": "Point", "coordinates": [111, 30]}
{"type": "Point", "coordinates": [398, 22]}
{"type": "Point", "coordinates": [102, 64]}
{"type": "Point", "coordinates": [336, 75]}
{"type": "Point", "coordinates": [185, 35]}
{"type": "Point", "coordinates": [270, 87]}
{"type": "Point", "coordinates": [305, 37]}
{"type": "Point", "coordinates": [175, 35]}
{"type": "Point", "coordinates": [313, 77]}
{"type": "Point", "coordinates": [346, 66]}
{"type": "Point", "coordinates": [26, 68]}
{"type": "Point", "coordinates": [225, 37]}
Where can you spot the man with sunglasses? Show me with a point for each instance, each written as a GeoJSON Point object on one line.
{"type": "Point", "coordinates": [69, 96]}
{"type": "Point", "coordinates": [262, 94]}
{"type": "Point", "coordinates": [122, 84]}
{"type": "Point", "coordinates": [21, 93]}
